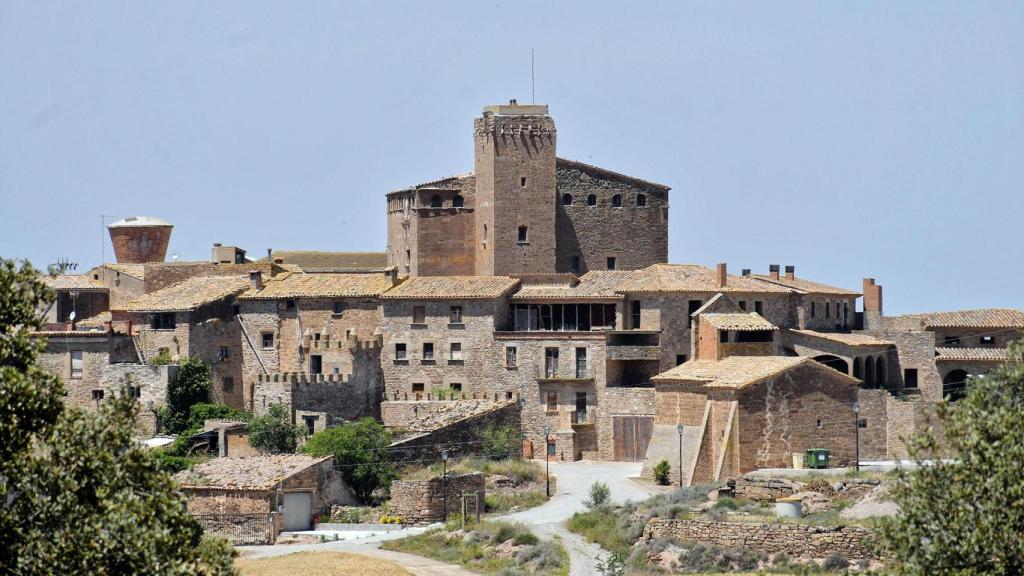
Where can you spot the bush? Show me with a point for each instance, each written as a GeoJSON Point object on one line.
{"type": "Point", "coordinates": [274, 433]}
{"type": "Point", "coordinates": [190, 386]}
{"type": "Point", "coordinates": [497, 442]}
{"type": "Point", "coordinates": [360, 451]}
{"type": "Point", "coordinates": [161, 359]}
{"type": "Point", "coordinates": [661, 472]}
{"type": "Point", "coordinates": [599, 495]}
{"type": "Point", "coordinates": [836, 562]}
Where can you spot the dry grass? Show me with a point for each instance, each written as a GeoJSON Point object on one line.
{"type": "Point", "coordinates": [306, 563]}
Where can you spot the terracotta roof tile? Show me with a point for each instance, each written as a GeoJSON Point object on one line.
{"type": "Point", "coordinates": [320, 285]}
{"type": "Point", "coordinates": [96, 321]}
{"type": "Point", "coordinates": [742, 321]}
{"type": "Point", "coordinates": [254, 472]}
{"type": "Point", "coordinates": [186, 295]}
{"type": "Point", "coordinates": [847, 339]}
{"type": "Point", "coordinates": [970, 354]}
{"type": "Point", "coordinates": [311, 260]}
{"type": "Point", "coordinates": [805, 286]}
{"type": "Point", "coordinates": [595, 285]}
{"type": "Point", "coordinates": [737, 371]}
{"type": "Point", "coordinates": [73, 282]}
{"type": "Point", "coordinates": [693, 278]}
{"type": "Point", "coordinates": [463, 287]}
{"type": "Point", "coordinates": [983, 318]}
{"type": "Point", "coordinates": [137, 271]}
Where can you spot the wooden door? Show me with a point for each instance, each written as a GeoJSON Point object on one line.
{"type": "Point", "coordinates": [630, 437]}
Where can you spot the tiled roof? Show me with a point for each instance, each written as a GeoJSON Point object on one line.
{"type": "Point", "coordinates": [96, 321]}
{"type": "Point", "coordinates": [443, 180]}
{"type": "Point", "coordinates": [983, 318]}
{"type": "Point", "coordinates": [137, 271]}
{"type": "Point", "coordinates": [598, 284]}
{"type": "Point", "coordinates": [440, 287]}
{"type": "Point", "coordinates": [254, 472]}
{"type": "Point", "coordinates": [564, 163]}
{"type": "Point", "coordinates": [806, 286]}
{"type": "Point", "coordinates": [970, 354]}
{"type": "Point", "coordinates": [692, 278]}
{"type": "Point", "coordinates": [737, 371]}
{"type": "Point", "coordinates": [73, 282]}
{"type": "Point", "coordinates": [186, 295]}
{"type": "Point", "coordinates": [320, 285]}
{"type": "Point", "coordinates": [847, 339]}
{"type": "Point", "coordinates": [742, 321]}
{"type": "Point", "coordinates": [311, 260]}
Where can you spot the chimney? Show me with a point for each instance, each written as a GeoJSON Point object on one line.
{"type": "Point", "coordinates": [872, 304]}
{"type": "Point", "coordinates": [513, 102]}
{"type": "Point", "coordinates": [790, 272]}
{"type": "Point", "coordinates": [256, 280]}
{"type": "Point", "coordinates": [270, 251]}
{"type": "Point", "coordinates": [722, 275]}
{"type": "Point", "coordinates": [773, 271]}
{"type": "Point", "coordinates": [746, 272]}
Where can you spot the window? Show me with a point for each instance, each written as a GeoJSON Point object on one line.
{"type": "Point", "coordinates": [417, 387]}
{"type": "Point", "coordinates": [455, 315]}
{"type": "Point", "coordinates": [522, 181]}
{"type": "Point", "coordinates": [458, 201]}
{"type": "Point", "coordinates": [428, 351]}
{"type": "Point", "coordinates": [591, 199]}
{"type": "Point", "coordinates": [723, 336]}
{"type": "Point", "coordinates": [339, 307]}
{"type": "Point", "coordinates": [611, 262]}
{"type": "Point", "coordinates": [827, 314]}
{"type": "Point", "coordinates": [813, 311]}
{"type": "Point", "coordinates": [289, 305]}
{"type": "Point", "coordinates": [455, 386]}
{"type": "Point", "coordinates": [951, 341]}
{"type": "Point", "coordinates": [228, 383]}
{"type": "Point", "coordinates": [511, 356]}
{"type": "Point", "coordinates": [574, 264]}
{"type": "Point", "coordinates": [641, 200]}
{"type": "Point", "coordinates": [551, 362]}
{"type": "Point", "coordinates": [134, 392]}
{"type": "Point", "coordinates": [267, 340]}
{"type": "Point", "coordinates": [680, 359]}
{"type": "Point", "coordinates": [224, 353]}
{"type": "Point", "coordinates": [581, 362]}
{"type": "Point", "coordinates": [508, 395]}
{"type": "Point", "coordinates": [97, 395]}
{"type": "Point", "coordinates": [617, 201]}
{"type": "Point", "coordinates": [819, 423]}
{"type": "Point", "coordinates": [164, 321]}
{"type": "Point", "coordinates": [988, 340]}
{"type": "Point", "coordinates": [435, 201]}
{"type": "Point", "coordinates": [523, 234]}
{"type": "Point", "coordinates": [566, 199]}
{"type": "Point", "coordinates": [76, 363]}
{"type": "Point", "coordinates": [910, 377]}
{"type": "Point", "coordinates": [316, 364]}
{"type": "Point", "coordinates": [635, 313]}
{"type": "Point", "coordinates": [759, 307]}
{"type": "Point", "coordinates": [400, 351]}
{"type": "Point", "coordinates": [310, 422]}
{"type": "Point", "coordinates": [552, 401]}
{"type": "Point", "coordinates": [419, 314]}
{"type": "Point", "coordinates": [692, 306]}
{"type": "Point", "coordinates": [862, 423]}
{"type": "Point", "coordinates": [743, 305]}
{"type": "Point", "coordinates": [455, 351]}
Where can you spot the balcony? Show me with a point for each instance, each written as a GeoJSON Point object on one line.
{"type": "Point", "coordinates": [567, 374]}
{"type": "Point", "coordinates": [634, 352]}
{"type": "Point", "coordinates": [582, 418]}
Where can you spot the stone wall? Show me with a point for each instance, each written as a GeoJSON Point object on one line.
{"type": "Point", "coordinates": [152, 382]}
{"type": "Point", "coordinates": [459, 436]}
{"type": "Point", "coordinates": [765, 489]}
{"type": "Point", "coordinates": [419, 502]}
{"type": "Point", "coordinates": [163, 274]}
{"type": "Point", "coordinates": [796, 540]}
{"type": "Point", "coordinates": [332, 398]}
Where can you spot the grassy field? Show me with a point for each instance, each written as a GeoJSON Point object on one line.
{"type": "Point", "coordinates": [307, 563]}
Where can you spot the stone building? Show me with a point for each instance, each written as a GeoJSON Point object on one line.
{"type": "Point", "coordinates": [77, 297]}
{"type": "Point", "coordinates": [312, 342]}
{"type": "Point", "coordinates": [523, 210]}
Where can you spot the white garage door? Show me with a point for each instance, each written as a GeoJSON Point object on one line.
{"type": "Point", "coordinates": [297, 511]}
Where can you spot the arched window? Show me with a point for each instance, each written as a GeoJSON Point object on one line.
{"type": "Point", "coordinates": [858, 370]}
{"type": "Point", "coordinates": [458, 201]}
{"type": "Point", "coordinates": [591, 199]}
{"type": "Point", "coordinates": [869, 372]}
{"type": "Point", "coordinates": [880, 375]}
{"type": "Point", "coordinates": [954, 385]}
{"type": "Point", "coordinates": [435, 201]}
{"type": "Point", "coordinates": [617, 201]}
{"type": "Point", "coordinates": [834, 362]}
{"type": "Point", "coordinates": [641, 200]}
{"type": "Point", "coordinates": [566, 199]}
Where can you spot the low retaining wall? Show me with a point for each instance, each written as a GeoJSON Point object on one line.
{"type": "Point", "coordinates": [766, 489]}
{"type": "Point", "coordinates": [422, 501]}
{"type": "Point", "coordinates": [796, 540]}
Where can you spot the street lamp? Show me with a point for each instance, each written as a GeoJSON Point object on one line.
{"type": "Point", "coordinates": [444, 482]}
{"type": "Point", "coordinates": [547, 461]}
{"type": "Point", "coordinates": [856, 435]}
{"type": "Point", "coordinates": [679, 429]}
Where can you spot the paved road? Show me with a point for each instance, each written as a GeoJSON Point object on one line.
{"type": "Point", "coordinates": [573, 486]}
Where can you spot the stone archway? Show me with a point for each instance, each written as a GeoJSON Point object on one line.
{"type": "Point", "coordinates": [954, 385]}
{"type": "Point", "coordinates": [834, 362]}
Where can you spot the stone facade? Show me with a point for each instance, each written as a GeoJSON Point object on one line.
{"type": "Point", "coordinates": [419, 502]}
{"type": "Point", "coordinates": [796, 540]}
{"type": "Point", "coordinates": [456, 430]}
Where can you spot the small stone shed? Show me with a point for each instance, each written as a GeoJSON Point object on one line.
{"type": "Point", "coordinates": [296, 485]}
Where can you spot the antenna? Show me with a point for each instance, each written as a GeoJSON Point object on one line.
{"type": "Point", "coordinates": [533, 84]}
{"type": "Point", "coordinates": [103, 239]}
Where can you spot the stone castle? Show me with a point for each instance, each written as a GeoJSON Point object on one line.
{"type": "Point", "coordinates": [533, 284]}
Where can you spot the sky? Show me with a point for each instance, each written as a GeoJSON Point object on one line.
{"type": "Point", "coordinates": [850, 139]}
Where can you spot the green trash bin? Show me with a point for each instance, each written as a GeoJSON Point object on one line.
{"type": "Point", "coordinates": [817, 458]}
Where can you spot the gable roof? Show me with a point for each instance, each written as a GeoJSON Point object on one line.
{"type": "Point", "coordinates": [970, 354]}
{"type": "Point", "coordinates": [805, 286]}
{"type": "Point", "coordinates": [740, 372]}
{"type": "Point", "coordinates": [849, 339]}
{"type": "Point", "coordinates": [320, 285]}
{"type": "Point", "coordinates": [461, 287]}
{"type": "Point", "coordinates": [594, 285]}
{"type": "Point", "coordinates": [564, 163]}
{"type": "Point", "coordinates": [313, 260]}
{"type": "Point", "coordinates": [186, 295]}
{"type": "Point", "coordinates": [981, 318]}
{"type": "Point", "coordinates": [739, 321]}
{"type": "Point", "coordinates": [137, 271]}
{"type": "Point", "coordinates": [668, 278]}
{"type": "Point", "coordinates": [74, 282]}
{"type": "Point", "coordinates": [253, 472]}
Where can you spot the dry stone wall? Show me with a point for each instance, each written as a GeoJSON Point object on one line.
{"type": "Point", "coordinates": [419, 502]}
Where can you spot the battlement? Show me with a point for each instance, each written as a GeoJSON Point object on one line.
{"type": "Point", "coordinates": [353, 342]}
{"type": "Point", "coordinates": [450, 397]}
{"type": "Point", "coordinates": [304, 378]}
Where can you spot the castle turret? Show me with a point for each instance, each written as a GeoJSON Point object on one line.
{"type": "Point", "coordinates": [140, 239]}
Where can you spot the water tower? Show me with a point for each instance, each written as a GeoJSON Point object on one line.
{"type": "Point", "coordinates": [140, 239]}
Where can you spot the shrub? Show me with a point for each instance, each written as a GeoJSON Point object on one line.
{"type": "Point", "coordinates": [190, 386]}
{"type": "Point", "coordinates": [497, 442]}
{"type": "Point", "coordinates": [360, 450]}
{"type": "Point", "coordinates": [836, 562]}
{"type": "Point", "coordinates": [274, 433]}
{"type": "Point", "coordinates": [161, 359]}
{"type": "Point", "coordinates": [661, 472]}
{"type": "Point", "coordinates": [525, 539]}
{"type": "Point", "coordinates": [599, 495]}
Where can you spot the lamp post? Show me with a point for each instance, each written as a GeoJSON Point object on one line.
{"type": "Point", "coordinates": [856, 435]}
{"type": "Point", "coordinates": [547, 461]}
{"type": "Point", "coordinates": [444, 482]}
{"type": "Point", "coordinates": [679, 429]}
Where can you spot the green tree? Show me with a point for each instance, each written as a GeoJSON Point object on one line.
{"type": "Point", "coordinates": [274, 433]}
{"type": "Point", "coordinates": [661, 472]}
{"type": "Point", "coordinates": [360, 450]}
{"type": "Point", "coordinates": [190, 386]}
{"type": "Point", "coordinates": [965, 515]}
{"type": "Point", "coordinates": [77, 493]}
{"type": "Point", "coordinates": [499, 441]}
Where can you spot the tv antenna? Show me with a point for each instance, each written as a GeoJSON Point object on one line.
{"type": "Point", "coordinates": [533, 84]}
{"type": "Point", "coordinates": [103, 238]}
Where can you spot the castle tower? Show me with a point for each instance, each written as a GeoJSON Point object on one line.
{"type": "Point", "coordinates": [140, 239]}
{"type": "Point", "coordinates": [515, 190]}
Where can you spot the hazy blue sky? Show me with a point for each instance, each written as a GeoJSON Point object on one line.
{"type": "Point", "coordinates": [850, 139]}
